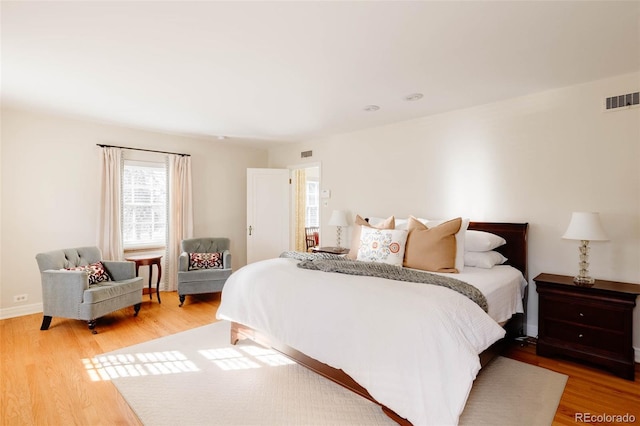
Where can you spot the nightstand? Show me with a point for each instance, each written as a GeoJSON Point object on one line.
{"type": "Point", "coordinates": [593, 324]}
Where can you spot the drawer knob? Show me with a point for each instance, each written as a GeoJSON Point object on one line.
{"type": "Point", "coordinates": [580, 335]}
{"type": "Point", "coordinates": [581, 314]}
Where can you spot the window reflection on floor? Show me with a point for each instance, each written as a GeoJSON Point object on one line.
{"type": "Point", "coordinates": [235, 359]}
{"type": "Point", "coordinates": [108, 367]}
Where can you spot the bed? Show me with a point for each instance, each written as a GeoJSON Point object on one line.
{"type": "Point", "coordinates": [413, 349]}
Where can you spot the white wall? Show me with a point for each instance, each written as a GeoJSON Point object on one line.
{"type": "Point", "coordinates": [531, 159]}
{"type": "Point", "coordinates": [50, 191]}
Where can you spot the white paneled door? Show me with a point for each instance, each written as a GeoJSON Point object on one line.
{"type": "Point", "coordinates": [267, 213]}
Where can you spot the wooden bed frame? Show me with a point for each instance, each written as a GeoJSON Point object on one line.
{"type": "Point", "coordinates": [515, 250]}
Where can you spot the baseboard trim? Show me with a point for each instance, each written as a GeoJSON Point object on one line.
{"type": "Point", "coordinates": [20, 311]}
{"type": "Point", "coordinates": [532, 330]}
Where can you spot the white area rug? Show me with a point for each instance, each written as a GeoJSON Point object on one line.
{"type": "Point", "coordinates": [197, 378]}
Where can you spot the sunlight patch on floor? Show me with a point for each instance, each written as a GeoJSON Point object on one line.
{"type": "Point", "coordinates": [107, 367]}
{"type": "Point", "coordinates": [269, 356]}
{"type": "Point", "coordinates": [228, 359]}
{"type": "Point", "coordinates": [253, 357]}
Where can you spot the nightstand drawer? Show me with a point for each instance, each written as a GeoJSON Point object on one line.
{"type": "Point", "coordinates": [584, 313]}
{"type": "Point", "coordinates": [607, 340]}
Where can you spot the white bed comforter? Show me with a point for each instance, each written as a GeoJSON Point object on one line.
{"type": "Point", "coordinates": [414, 347]}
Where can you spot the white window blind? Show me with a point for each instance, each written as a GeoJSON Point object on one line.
{"type": "Point", "coordinates": [313, 204]}
{"type": "Point", "coordinates": [144, 204]}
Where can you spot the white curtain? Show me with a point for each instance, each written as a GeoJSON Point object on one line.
{"type": "Point", "coordinates": [180, 214]}
{"type": "Point", "coordinates": [110, 221]}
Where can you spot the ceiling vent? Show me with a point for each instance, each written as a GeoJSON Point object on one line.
{"type": "Point", "coordinates": [306, 154]}
{"type": "Point", "coordinates": [622, 101]}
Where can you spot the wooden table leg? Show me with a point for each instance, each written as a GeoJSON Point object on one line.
{"type": "Point", "coordinates": [159, 264]}
{"type": "Point", "coordinates": [149, 261]}
{"type": "Point", "coordinates": [150, 276]}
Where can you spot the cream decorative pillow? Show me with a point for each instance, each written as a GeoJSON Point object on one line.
{"type": "Point", "coordinates": [432, 249]}
{"type": "Point", "coordinates": [382, 245]}
{"type": "Point", "coordinates": [359, 222]}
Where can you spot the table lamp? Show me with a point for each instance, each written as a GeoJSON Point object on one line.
{"type": "Point", "coordinates": [338, 218]}
{"type": "Point", "coordinates": [584, 226]}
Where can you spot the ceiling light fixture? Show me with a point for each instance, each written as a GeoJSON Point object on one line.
{"type": "Point", "coordinates": [371, 108]}
{"type": "Point", "coordinates": [414, 97]}
{"type": "Point", "coordinates": [222, 138]}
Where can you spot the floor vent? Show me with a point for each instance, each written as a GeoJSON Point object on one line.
{"type": "Point", "coordinates": [623, 101]}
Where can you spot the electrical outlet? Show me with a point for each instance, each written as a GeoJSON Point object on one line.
{"type": "Point", "coordinates": [20, 298]}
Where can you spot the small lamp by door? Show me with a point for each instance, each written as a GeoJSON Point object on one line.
{"type": "Point", "coordinates": [584, 226]}
{"type": "Point", "coordinates": [338, 218]}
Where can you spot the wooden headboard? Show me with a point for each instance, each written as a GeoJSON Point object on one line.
{"type": "Point", "coordinates": [516, 235]}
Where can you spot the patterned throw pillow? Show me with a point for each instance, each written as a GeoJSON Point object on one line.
{"type": "Point", "coordinates": [97, 272]}
{"type": "Point", "coordinates": [382, 245]}
{"type": "Point", "coordinates": [205, 261]}
{"type": "Point", "coordinates": [359, 222]}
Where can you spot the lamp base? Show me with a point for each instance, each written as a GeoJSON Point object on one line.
{"type": "Point", "coordinates": [583, 281]}
{"type": "Point", "coordinates": [338, 233]}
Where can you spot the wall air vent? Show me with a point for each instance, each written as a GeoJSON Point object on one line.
{"type": "Point", "coordinates": [306, 154]}
{"type": "Point", "coordinates": [622, 101]}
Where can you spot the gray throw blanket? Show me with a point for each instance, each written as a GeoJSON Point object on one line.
{"type": "Point", "coordinates": [334, 263]}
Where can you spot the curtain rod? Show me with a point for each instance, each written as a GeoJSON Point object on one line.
{"type": "Point", "coordinates": [140, 149]}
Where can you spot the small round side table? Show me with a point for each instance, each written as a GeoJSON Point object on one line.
{"type": "Point", "coordinates": [149, 260]}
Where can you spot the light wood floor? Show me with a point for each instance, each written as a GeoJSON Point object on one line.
{"type": "Point", "coordinates": [43, 380]}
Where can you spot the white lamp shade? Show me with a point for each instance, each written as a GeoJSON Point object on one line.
{"type": "Point", "coordinates": [338, 218]}
{"type": "Point", "coordinates": [585, 226]}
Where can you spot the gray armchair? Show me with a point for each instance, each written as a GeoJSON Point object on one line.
{"type": "Point", "coordinates": [198, 281]}
{"type": "Point", "coordinates": [67, 293]}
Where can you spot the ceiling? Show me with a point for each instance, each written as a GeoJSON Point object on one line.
{"type": "Point", "coordinates": [271, 72]}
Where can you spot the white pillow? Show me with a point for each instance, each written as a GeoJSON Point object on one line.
{"type": "Point", "coordinates": [382, 245]}
{"type": "Point", "coordinates": [400, 223]}
{"type": "Point", "coordinates": [373, 221]}
{"type": "Point", "coordinates": [460, 239]}
{"type": "Point", "coordinates": [483, 259]}
{"type": "Point", "coordinates": [482, 241]}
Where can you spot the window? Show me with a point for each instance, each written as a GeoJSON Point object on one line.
{"type": "Point", "coordinates": [144, 204]}
{"type": "Point", "coordinates": [312, 216]}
